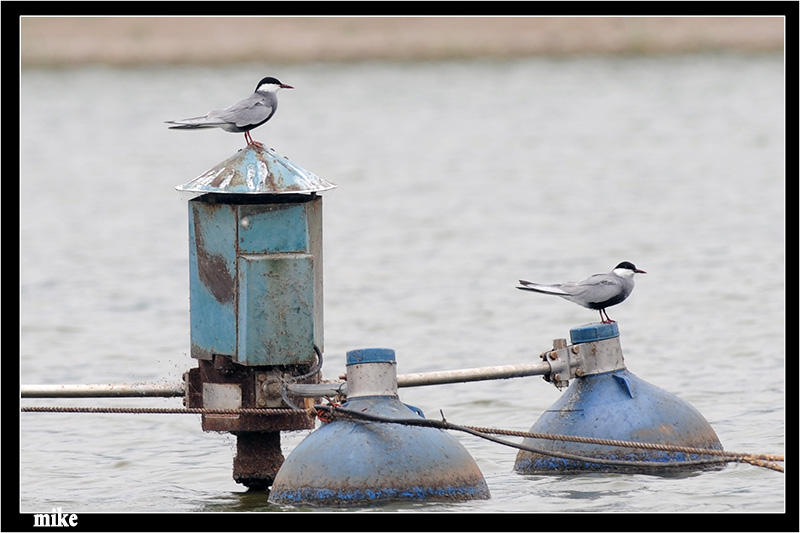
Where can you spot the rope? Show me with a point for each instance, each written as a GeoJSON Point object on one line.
{"type": "Point", "coordinates": [331, 411]}
{"type": "Point", "coordinates": [625, 443]}
{"type": "Point", "coordinates": [160, 410]}
{"type": "Point", "coordinates": [766, 461]}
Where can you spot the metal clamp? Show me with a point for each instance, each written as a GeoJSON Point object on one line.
{"type": "Point", "coordinates": [581, 359]}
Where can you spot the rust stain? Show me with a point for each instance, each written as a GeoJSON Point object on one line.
{"type": "Point", "coordinates": [212, 269]}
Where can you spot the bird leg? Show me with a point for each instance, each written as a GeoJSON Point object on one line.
{"type": "Point", "coordinates": [607, 319]}
{"type": "Point", "coordinates": [250, 141]}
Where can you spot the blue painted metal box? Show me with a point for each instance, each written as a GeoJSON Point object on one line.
{"type": "Point", "coordinates": [255, 295]}
{"type": "Point", "coordinates": [255, 273]}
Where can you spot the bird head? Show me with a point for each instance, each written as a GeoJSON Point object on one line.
{"type": "Point", "coordinates": [627, 269]}
{"type": "Point", "coordinates": [271, 85]}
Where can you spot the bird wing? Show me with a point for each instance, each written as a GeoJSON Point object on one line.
{"type": "Point", "coordinates": [594, 289]}
{"type": "Point", "coordinates": [250, 111]}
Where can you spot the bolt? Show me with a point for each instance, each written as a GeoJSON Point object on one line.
{"type": "Point", "coordinates": [553, 355]}
{"type": "Point", "coordinates": [575, 349]}
{"type": "Point", "coordinates": [557, 377]}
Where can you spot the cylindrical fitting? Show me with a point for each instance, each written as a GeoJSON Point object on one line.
{"type": "Point", "coordinates": [371, 372]}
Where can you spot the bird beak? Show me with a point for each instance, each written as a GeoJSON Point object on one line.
{"type": "Point", "coordinates": [284, 86]}
{"type": "Point", "coordinates": [640, 271]}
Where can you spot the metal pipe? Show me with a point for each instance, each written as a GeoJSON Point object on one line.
{"type": "Point", "coordinates": [138, 390]}
{"type": "Point", "coordinates": [119, 390]}
{"type": "Point", "coordinates": [432, 378]}
{"type": "Point", "coordinates": [473, 374]}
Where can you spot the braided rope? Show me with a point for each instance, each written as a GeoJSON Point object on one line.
{"type": "Point", "coordinates": [761, 460]}
{"type": "Point", "coordinates": [160, 410]}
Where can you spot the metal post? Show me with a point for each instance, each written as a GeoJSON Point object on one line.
{"type": "Point", "coordinates": [255, 284]}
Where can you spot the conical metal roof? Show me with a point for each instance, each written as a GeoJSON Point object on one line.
{"type": "Point", "coordinates": [257, 170]}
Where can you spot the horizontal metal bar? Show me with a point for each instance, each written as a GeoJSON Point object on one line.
{"type": "Point", "coordinates": [119, 390]}
{"type": "Point", "coordinates": [431, 378]}
{"type": "Point", "coordinates": [317, 390]}
{"type": "Point", "coordinates": [140, 390]}
{"type": "Point", "coordinates": [473, 374]}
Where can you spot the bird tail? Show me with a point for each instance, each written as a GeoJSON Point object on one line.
{"type": "Point", "coordinates": [191, 123]}
{"type": "Point", "coordinates": [545, 289]}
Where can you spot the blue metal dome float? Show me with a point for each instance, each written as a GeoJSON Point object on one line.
{"type": "Point", "coordinates": [352, 462]}
{"type": "Point", "coordinates": [606, 401]}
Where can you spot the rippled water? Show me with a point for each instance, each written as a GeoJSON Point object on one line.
{"type": "Point", "coordinates": [454, 180]}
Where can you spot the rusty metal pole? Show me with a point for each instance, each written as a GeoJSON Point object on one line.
{"type": "Point", "coordinates": [258, 459]}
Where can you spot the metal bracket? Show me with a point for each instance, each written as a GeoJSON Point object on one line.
{"type": "Point", "coordinates": [560, 367]}
{"type": "Point", "coordinates": [268, 388]}
{"type": "Point", "coordinates": [582, 359]}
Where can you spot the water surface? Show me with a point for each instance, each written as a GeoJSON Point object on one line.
{"type": "Point", "coordinates": [454, 180]}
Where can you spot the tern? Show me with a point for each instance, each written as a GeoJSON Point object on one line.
{"type": "Point", "coordinates": [242, 116]}
{"type": "Point", "coordinates": [595, 292]}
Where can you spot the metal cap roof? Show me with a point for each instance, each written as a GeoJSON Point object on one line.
{"type": "Point", "coordinates": [257, 170]}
